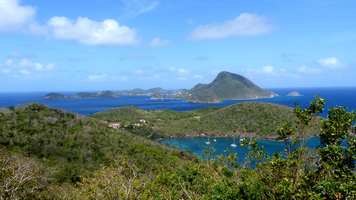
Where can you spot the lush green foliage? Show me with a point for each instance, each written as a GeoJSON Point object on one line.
{"type": "Point", "coordinates": [72, 146]}
{"type": "Point", "coordinates": [50, 154]}
{"type": "Point", "coordinates": [249, 119]}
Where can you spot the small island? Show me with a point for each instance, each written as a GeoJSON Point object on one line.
{"type": "Point", "coordinates": [228, 86]}
{"type": "Point", "coordinates": [294, 94]}
{"type": "Point", "coordinates": [54, 96]}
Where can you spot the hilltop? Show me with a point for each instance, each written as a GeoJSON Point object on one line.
{"type": "Point", "coordinates": [247, 119]}
{"type": "Point", "coordinates": [228, 86]}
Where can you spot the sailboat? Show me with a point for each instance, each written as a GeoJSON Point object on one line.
{"type": "Point", "coordinates": [208, 142]}
{"type": "Point", "coordinates": [234, 145]}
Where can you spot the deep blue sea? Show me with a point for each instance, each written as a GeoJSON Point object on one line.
{"type": "Point", "coordinates": [334, 96]}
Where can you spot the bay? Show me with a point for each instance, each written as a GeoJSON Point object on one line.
{"type": "Point", "coordinates": [223, 146]}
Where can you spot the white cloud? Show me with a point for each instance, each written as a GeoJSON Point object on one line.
{"type": "Point", "coordinates": [198, 76]}
{"type": "Point", "coordinates": [308, 70]}
{"type": "Point", "coordinates": [246, 24]}
{"type": "Point", "coordinates": [104, 77]}
{"type": "Point", "coordinates": [13, 15]}
{"type": "Point", "coordinates": [24, 72]}
{"type": "Point", "coordinates": [24, 66]}
{"type": "Point", "coordinates": [323, 65]}
{"type": "Point", "coordinates": [123, 78]}
{"type": "Point", "coordinates": [182, 71]}
{"type": "Point", "coordinates": [158, 42]}
{"type": "Point", "coordinates": [179, 71]}
{"type": "Point", "coordinates": [16, 16]}
{"type": "Point", "coordinates": [268, 69]}
{"type": "Point", "coordinates": [134, 8]}
{"type": "Point", "coordinates": [87, 31]}
{"type": "Point", "coordinates": [330, 62]}
{"type": "Point", "coordinates": [97, 77]}
{"type": "Point", "coordinates": [139, 72]}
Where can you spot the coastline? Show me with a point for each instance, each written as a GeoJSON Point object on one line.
{"type": "Point", "coordinates": [234, 99]}
{"type": "Point", "coordinates": [272, 138]}
{"type": "Point", "coordinates": [245, 135]}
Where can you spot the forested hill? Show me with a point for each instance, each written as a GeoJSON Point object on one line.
{"type": "Point", "coordinates": [246, 119]}
{"type": "Point", "coordinates": [50, 154]}
{"type": "Point", "coordinates": [228, 86]}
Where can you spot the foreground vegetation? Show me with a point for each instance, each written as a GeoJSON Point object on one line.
{"type": "Point", "coordinates": [248, 119]}
{"type": "Point", "coordinates": [50, 154]}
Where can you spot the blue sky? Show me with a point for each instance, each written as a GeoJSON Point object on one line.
{"type": "Point", "coordinates": [121, 44]}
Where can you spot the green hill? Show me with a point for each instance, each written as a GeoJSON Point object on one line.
{"type": "Point", "coordinates": [228, 86]}
{"type": "Point", "coordinates": [50, 154]}
{"type": "Point", "coordinates": [68, 147]}
{"type": "Point", "coordinates": [250, 119]}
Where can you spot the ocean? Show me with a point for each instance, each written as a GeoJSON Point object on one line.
{"type": "Point", "coordinates": [334, 96]}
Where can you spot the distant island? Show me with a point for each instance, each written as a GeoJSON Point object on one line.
{"type": "Point", "coordinates": [157, 93]}
{"type": "Point", "coordinates": [54, 95]}
{"type": "Point", "coordinates": [294, 94]}
{"type": "Point", "coordinates": [225, 86]}
{"type": "Point", "coordinates": [228, 86]}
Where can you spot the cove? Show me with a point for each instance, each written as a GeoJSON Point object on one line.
{"type": "Point", "coordinates": [223, 146]}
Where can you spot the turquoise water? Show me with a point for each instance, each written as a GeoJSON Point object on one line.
{"type": "Point", "coordinates": [222, 146]}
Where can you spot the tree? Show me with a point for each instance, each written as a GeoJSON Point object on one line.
{"type": "Point", "coordinates": [337, 155]}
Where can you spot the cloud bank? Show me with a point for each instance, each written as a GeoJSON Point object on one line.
{"type": "Point", "coordinates": [159, 42]}
{"type": "Point", "coordinates": [24, 66]}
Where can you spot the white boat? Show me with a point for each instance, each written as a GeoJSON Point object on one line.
{"type": "Point", "coordinates": [234, 145]}
{"type": "Point", "coordinates": [214, 140]}
{"type": "Point", "coordinates": [207, 142]}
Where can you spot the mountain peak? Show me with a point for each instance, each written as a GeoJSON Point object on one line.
{"type": "Point", "coordinates": [226, 74]}
{"type": "Point", "coordinates": [228, 85]}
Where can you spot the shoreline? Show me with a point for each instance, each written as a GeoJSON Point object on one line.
{"type": "Point", "coordinates": [240, 99]}
{"type": "Point", "coordinates": [245, 135]}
